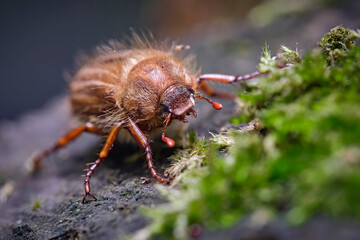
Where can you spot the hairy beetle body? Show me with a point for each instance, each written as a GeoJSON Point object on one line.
{"type": "Point", "coordinates": [139, 87]}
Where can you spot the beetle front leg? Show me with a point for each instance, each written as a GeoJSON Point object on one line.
{"type": "Point", "coordinates": [140, 137]}
{"type": "Point", "coordinates": [103, 154]}
{"type": "Point", "coordinates": [224, 79]}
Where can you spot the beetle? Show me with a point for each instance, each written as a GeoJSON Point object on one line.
{"type": "Point", "coordinates": [140, 87]}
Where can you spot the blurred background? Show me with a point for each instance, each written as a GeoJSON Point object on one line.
{"type": "Point", "coordinates": [39, 40]}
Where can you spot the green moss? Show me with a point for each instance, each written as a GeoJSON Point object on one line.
{"type": "Point", "coordinates": [307, 163]}
{"type": "Point", "coordinates": [338, 42]}
{"type": "Point", "coordinates": [188, 159]}
{"type": "Point", "coordinates": [36, 205]}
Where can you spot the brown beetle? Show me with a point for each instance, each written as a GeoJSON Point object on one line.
{"type": "Point", "coordinates": [139, 87]}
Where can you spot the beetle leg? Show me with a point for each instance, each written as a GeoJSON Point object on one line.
{"type": "Point", "coordinates": [69, 137]}
{"type": "Point", "coordinates": [224, 79]}
{"type": "Point", "coordinates": [103, 154]}
{"type": "Point", "coordinates": [140, 137]}
{"type": "Point", "coordinates": [211, 92]}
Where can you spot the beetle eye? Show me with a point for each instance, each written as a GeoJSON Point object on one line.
{"type": "Point", "coordinates": [191, 90]}
{"type": "Point", "coordinates": [164, 108]}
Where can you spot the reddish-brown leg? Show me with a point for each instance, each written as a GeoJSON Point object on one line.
{"type": "Point", "coordinates": [140, 137]}
{"type": "Point", "coordinates": [225, 79]}
{"type": "Point", "coordinates": [69, 137]}
{"type": "Point", "coordinates": [211, 92]}
{"type": "Point", "coordinates": [103, 154]}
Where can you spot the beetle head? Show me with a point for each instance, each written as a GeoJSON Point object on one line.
{"type": "Point", "coordinates": [177, 100]}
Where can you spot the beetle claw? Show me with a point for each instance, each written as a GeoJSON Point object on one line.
{"type": "Point", "coordinates": [88, 194]}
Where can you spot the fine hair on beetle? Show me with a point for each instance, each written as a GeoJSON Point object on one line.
{"type": "Point", "coordinates": [141, 85]}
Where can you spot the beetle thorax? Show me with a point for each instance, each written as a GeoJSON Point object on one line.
{"type": "Point", "coordinates": [154, 83]}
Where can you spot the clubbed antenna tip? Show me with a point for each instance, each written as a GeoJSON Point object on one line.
{"type": "Point", "coordinates": [215, 105]}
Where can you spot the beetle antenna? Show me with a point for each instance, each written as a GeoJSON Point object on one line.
{"type": "Point", "coordinates": [167, 140]}
{"type": "Point", "coordinates": [215, 105]}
